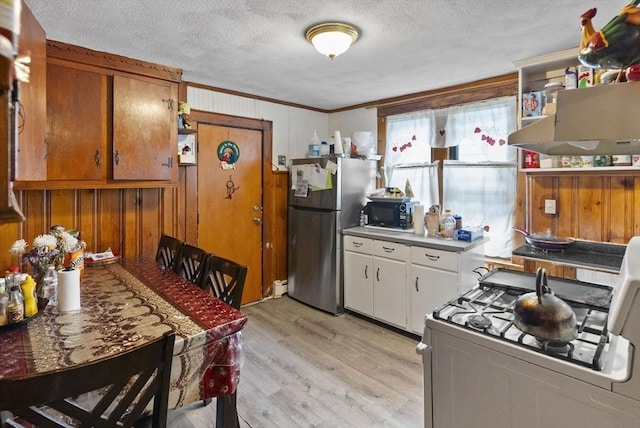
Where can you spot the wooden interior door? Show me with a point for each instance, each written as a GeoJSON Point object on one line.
{"type": "Point", "coordinates": [230, 207]}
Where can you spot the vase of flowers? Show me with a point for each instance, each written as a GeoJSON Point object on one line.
{"type": "Point", "coordinates": [44, 253]}
{"type": "Point", "coordinates": [47, 250]}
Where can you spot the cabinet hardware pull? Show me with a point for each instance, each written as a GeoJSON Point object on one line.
{"type": "Point", "coordinates": [169, 103]}
{"type": "Point", "coordinates": [417, 289]}
{"type": "Point", "coordinates": [357, 244]}
{"type": "Point", "coordinates": [96, 158]}
{"type": "Point", "coordinates": [116, 158]}
{"type": "Point", "coordinates": [430, 257]}
{"type": "Point", "coordinates": [388, 249]}
{"type": "Point", "coordinates": [366, 272]}
{"type": "Point", "coordinates": [378, 274]}
{"type": "Point", "coordinates": [169, 163]}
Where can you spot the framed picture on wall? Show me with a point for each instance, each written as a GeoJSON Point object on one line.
{"type": "Point", "coordinates": [186, 148]}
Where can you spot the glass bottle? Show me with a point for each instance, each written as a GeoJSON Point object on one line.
{"type": "Point", "coordinates": [448, 225]}
{"type": "Point", "coordinates": [15, 307]}
{"type": "Point", "coordinates": [50, 287]}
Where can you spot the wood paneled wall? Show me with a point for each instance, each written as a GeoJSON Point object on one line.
{"type": "Point", "coordinates": [129, 221]}
{"type": "Point", "coordinates": [603, 207]}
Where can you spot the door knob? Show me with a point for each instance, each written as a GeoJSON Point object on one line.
{"type": "Point", "coordinates": [257, 220]}
{"type": "Point", "coordinates": [256, 208]}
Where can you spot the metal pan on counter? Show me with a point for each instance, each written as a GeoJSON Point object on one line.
{"type": "Point", "coordinates": [546, 241]}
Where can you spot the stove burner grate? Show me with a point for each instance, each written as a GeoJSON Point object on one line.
{"type": "Point", "coordinates": [489, 311]}
{"type": "Point", "coordinates": [479, 322]}
{"type": "Point", "coordinates": [556, 347]}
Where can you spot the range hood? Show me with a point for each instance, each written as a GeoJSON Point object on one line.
{"type": "Point", "coordinates": [600, 120]}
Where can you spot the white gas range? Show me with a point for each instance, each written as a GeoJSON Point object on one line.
{"type": "Point", "coordinates": [481, 371]}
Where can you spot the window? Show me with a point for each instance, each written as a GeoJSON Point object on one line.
{"type": "Point", "coordinates": [408, 155]}
{"type": "Point", "coordinates": [480, 184]}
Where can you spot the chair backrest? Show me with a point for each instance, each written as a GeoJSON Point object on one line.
{"type": "Point", "coordinates": [126, 382]}
{"type": "Point", "coordinates": [225, 279]}
{"type": "Point", "coordinates": [168, 248]}
{"type": "Point", "coordinates": [190, 262]}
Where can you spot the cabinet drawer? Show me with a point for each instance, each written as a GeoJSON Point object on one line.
{"type": "Point", "coordinates": [357, 244]}
{"type": "Point", "coordinates": [391, 250]}
{"type": "Point", "coordinates": [447, 260]}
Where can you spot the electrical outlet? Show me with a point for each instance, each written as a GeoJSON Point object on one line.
{"type": "Point", "coordinates": [549, 206]}
{"type": "Point", "coordinates": [282, 160]}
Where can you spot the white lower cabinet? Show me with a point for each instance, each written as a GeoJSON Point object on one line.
{"type": "Point", "coordinates": [390, 282]}
{"type": "Point", "coordinates": [375, 274]}
{"type": "Point", "coordinates": [437, 276]}
{"type": "Point", "coordinates": [399, 284]}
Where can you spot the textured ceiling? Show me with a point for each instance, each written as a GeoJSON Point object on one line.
{"type": "Point", "coordinates": [258, 47]}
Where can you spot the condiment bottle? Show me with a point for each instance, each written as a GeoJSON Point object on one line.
{"type": "Point", "coordinates": [4, 302]}
{"type": "Point", "coordinates": [15, 307]}
{"type": "Point", "coordinates": [28, 286]}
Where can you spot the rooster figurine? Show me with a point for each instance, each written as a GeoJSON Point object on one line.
{"type": "Point", "coordinates": [617, 44]}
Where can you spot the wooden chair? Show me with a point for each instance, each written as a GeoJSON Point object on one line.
{"type": "Point", "coordinates": [127, 383]}
{"type": "Point", "coordinates": [168, 248]}
{"type": "Point", "coordinates": [190, 262]}
{"type": "Point", "coordinates": [224, 278]}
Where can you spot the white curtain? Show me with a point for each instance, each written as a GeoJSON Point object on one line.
{"type": "Point", "coordinates": [422, 178]}
{"type": "Point", "coordinates": [481, 185]}
{"type": "Point", "coordinates": [481, 130]}
{"type": "Point", "coordinates": [408, 155]}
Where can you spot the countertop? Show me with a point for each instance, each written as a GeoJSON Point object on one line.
{"type": "Point", "coordinates": [600, 256]}
{"type": "Point", "coordinates": [410, 238]}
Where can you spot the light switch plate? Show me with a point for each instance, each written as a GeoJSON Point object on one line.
{"type": "Point", "coordinates": [282, 160]}
{"type": "Point", "coordinates": [549, 206]}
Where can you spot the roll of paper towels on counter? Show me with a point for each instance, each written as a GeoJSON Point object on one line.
{"type": "Point", "coordinates": [418, 219]}
{"type": "Point", "coordinates": [337, 143]}
{"type": "Point", "coordinates": [68, 290]}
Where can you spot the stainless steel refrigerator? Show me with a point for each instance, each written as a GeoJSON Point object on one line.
{"type": "Point", "coordinates": [316, 219]}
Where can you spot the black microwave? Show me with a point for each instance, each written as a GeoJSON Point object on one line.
{"type": "Point", "coordinates": [394, 214]}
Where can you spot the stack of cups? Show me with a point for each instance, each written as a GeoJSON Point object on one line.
{"type": "Point", "coordinates": [418, 219]}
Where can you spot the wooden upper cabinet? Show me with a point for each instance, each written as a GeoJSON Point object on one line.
{"type": "Point", "coordinates": [76, 124]}
{"type": "Point", "coordinates": [144, 129]}
{"type": "Point", "coordinates": [111, 121]}
{"type": "Point", "coordinates": [30, 154]}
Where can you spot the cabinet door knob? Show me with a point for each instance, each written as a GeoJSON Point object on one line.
{"type": "Point", "coordinates": [378, 274]}
{"type": "Point", "coordinates": [96, 158]}
{"type": "Point", "coordinates": [430, 257]}
{"type": "Point", "coordinates": [366, 272]}
{"type": "Point", "coordinates": [417, 289]}
{"type": "Point", "coordinates": [169, 103]}
{"type": "Point", "coordinates": [116, 157]}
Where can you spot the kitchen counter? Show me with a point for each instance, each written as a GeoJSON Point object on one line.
{"type": "Point", "coordinates": [410, 238]}
{"type": "Point", "coordinates": [581, 254]}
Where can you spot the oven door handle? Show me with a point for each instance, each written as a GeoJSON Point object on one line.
{"type": "Point", "coordinates": [425, 350]}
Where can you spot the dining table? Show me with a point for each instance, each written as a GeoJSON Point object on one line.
{"type": "Point", "coordinates": [126, 303]}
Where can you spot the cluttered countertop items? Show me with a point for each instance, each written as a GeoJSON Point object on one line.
{"type": "Point", "coordinates": [390, 208]}
{"type": "Point", "coordinates": [391, 215]}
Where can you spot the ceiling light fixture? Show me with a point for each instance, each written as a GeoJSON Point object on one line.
{"type": "Point", "coordinates": [332, 38]}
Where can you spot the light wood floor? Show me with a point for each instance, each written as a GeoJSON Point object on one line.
{"type": "Point", "coordinates": [307, 368]}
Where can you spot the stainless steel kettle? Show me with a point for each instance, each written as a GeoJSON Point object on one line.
{"type": "Point", "coordinates": [544, 315]}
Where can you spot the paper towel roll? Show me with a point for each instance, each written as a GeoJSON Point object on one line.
{"type": "Point", "coordinates": [68, 290]}
{"type": "Point", "coordinates": [418, 219]}
{"type": "Point", "coordinates": [337, 143]}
